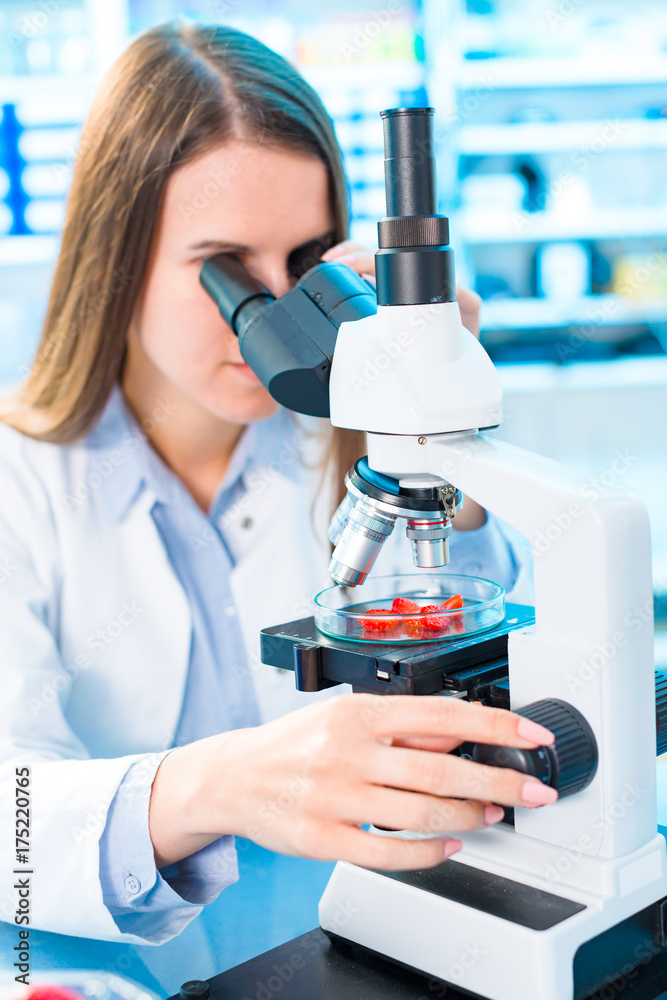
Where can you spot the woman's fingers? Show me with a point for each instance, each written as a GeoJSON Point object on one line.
{"type": "Point", "coordinates": [356, 256]}
{"type": "Point", "coordinates": [469, 306]}
{"type": "Point", "coordinates": [351, 771]}
{"type": "Point", "coordinates": [406, 716]}
{"type": "Point", "coordinates": [343, 248]}
{"type": "Point", "coordinates": [436, 744]}
{"type": "Point", "coordinates": [445, 775]}
{"type": "Point", "coordinates": [369, 850]}
{"type": "Point", "coordinates": [396, 809]}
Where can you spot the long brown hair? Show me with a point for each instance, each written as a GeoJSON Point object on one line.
{"type": "Point", "coordinates": [176, 92]}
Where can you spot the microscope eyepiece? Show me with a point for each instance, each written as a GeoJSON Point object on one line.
{"type": "Point", "coordinates": [415, 263]}
{"type": "Point", "coordinates": [235, 292]}
{"type": "Point", "coordinates": [409, 161]}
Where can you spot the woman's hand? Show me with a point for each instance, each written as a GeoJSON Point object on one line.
{"type": "Point", "coordinates": [356, 256]}
{"type": "Point", "coordinates": [469, 303]}
{"type": "Point", "coordinates": [305, 783]}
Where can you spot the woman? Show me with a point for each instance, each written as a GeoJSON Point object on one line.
{"type": "Point", "coordinates": [156, 512]}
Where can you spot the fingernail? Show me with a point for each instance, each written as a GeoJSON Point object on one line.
{"type": "Point", "coordinates": [538, 794]}
{"type": "Point", "coordinates": [451, 847]}
{"type": "Point", "coordinates": [493, 814]}
{"type": "Point", "coordinates": [529, 730]}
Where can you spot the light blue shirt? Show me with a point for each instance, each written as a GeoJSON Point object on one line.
{"type": "Point", "coordinates": [218, 695]}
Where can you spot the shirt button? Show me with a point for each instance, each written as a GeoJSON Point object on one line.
{"type": "Point", "coordinates": [132, 884]}
{"type": "Point", "coordinates": [246, 522]}
{"type": "Point", "coordinates": [231, 610]}
{"type": "Point", "coordinates": [472, 568]}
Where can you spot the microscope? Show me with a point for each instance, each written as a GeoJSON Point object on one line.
{"type": "Point", "coordinates": [552, 900]}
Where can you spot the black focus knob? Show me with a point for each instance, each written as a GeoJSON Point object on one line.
{"type": "Point", "coordinates": [568, 765]}
{"type": "Point", "coordinates": [195, 989]}
{"type": "Point", "coordinates": [661, 711]}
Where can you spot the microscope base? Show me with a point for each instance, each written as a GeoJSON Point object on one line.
{"type": "Point", "coordinates": [501, 938]}
{"type": "Point", "coordinates": [329, 968]}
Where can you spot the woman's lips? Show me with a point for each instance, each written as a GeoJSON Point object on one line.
{"type": "Point", "coordinates": [246, 372]}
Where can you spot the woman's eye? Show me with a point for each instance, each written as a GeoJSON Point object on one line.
{"type": "Point", "coordinates": [303, 258]}
{"type": "Point", "coordinates": [200, 261]}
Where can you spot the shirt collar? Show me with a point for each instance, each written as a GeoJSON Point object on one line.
{"type": "Point", "coordinates": [268, 445]}
{"type": "Point", "coordinates": [118, 443]}
{"type": "Point", "coordinates": [112, 447]}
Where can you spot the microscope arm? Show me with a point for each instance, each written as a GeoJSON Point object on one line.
{"type": "Point", "coordinates": [568, 524]}
{"type": "Point", "coordinates": [592, 643]}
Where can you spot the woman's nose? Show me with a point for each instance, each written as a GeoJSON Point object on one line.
{"type": "Point", "coordinates": [273, 274]}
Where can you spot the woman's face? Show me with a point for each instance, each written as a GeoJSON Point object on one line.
{"type": "Point", "coordinates": [258, 202]}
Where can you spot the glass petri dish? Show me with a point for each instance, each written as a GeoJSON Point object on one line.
{"type": "Point", "coordinates": [340, 613]}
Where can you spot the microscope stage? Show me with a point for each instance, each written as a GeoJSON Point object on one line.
{"type": "Point", "coordinates": [321, 661]}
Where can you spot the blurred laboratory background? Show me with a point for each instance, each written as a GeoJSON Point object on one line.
{"type": "Point", "coordinates": [551, 126]}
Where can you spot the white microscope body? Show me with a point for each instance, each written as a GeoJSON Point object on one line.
{"type": "Point", "coordinates": [591, 646]}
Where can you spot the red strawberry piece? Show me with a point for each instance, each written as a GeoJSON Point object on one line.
{"type": "Point", "coordinates": [379, 625]}
{"type": "Point", "coordinates": [452, 602]}
{"type": "Point", "coordinates": [431, 620]}
{"type": "Point", "coordinates": [414, 628]}
{"type": "Point", "coordinates": [404, 606]}
{"type": "Point", "coordinates": [44, 992]}
{"type": "Point", "coordinates": [455, 621]}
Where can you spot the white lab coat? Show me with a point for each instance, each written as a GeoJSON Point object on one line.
{"type": "Point", "coordinates": [94, 647]}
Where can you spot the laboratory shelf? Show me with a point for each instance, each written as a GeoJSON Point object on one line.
{"type": "Point", "coordinates": [403, 73]}
{"type": "Point", "coordinates": [47, 87]}
{"type": "Point", "coordinates": [532, 72]}
{"type": "Point", "coordinates": [19, 251]}
{"type": "Point", "coordinates": [585, 133]}
{"type": "Point", "coordinates": [556, 313]}
{"type": "Point", "coordinates": [519, 138]}
{"type": "Point", "coordinates": [639, 374]}
{"type": "Point", "coordinates": [615, 223]}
